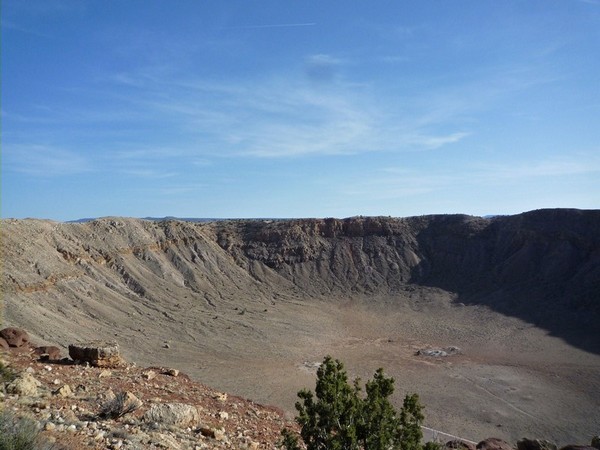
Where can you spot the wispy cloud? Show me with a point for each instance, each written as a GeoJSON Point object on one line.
{"type": "Point", "coordinates": [179, 189]}
{"type": "Point", "coordinates": [8, 25]}
{"type": "Point", "coordinates": [287, 117]}
{"type": "Point", "coordinates": [321, 67]}
{"type": "Point", "coordinates": [554, 167]}
{"type": "Point", "coordinates": [148, 173]}
{"type": "Point", "coordinates": [431, 142]}
{"type": "Point", "coordinates": [43, 160]}
{"type": "Point", "coordinates": [393, 59]}
{"type": "Point", "coordinates": [272, 25]}
{"type": "Point", "coordinates": [273, 116]}
{"type": "Point", "coordinates": [399, 182]}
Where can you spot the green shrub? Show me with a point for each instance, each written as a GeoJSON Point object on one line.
{"type": "Point", "coordinates": [433, 446]}
{"type": "Point", "coordinates": [337, 417]}
{"type": "Point", "coordinates": [6, 373]}
{"type": "Point", "coordinates": [19, 433]}
{"type": "Point", "coordinates": [117, 407]}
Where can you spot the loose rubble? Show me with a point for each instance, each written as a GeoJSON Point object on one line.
{"type": "Point", "coordinates": [167, 409]}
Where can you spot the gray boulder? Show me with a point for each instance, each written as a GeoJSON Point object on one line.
{"type": "Point", "coordinates": [25, 384]}
{"type": "Point", "coordinates": [178, 414]}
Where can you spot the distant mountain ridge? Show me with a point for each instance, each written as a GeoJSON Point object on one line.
{"type": "Point", "coordinates": [184, 219]}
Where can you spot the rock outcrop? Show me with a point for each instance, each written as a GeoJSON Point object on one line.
{"type": "Point", "coordinates": [97, 354]}
{"type": "Point", "coordinates": [15, 337]}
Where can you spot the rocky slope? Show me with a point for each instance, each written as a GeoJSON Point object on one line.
{"type": "Point", "coordinates": [236, 302]}
{"type": "Point", "coordinates": [76, 407]}
{"type": "Point", "coordinates": [549, 257]}
{"type": "Point", "coordinates": [543, 266]}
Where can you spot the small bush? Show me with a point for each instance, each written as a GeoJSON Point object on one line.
{"type": "Point", "coordinates": [6, 374]}
{"type": "Point", "coordinates": [20, 433]}
{"type": "Point", "coordinates": [117, 407]}
{"type": "Point", "coordinates": [433, 446]}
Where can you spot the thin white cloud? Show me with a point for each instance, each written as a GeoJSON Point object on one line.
{"type": "Point", "coordinates": [171, 190]}
{"type": "Point", "coordinates": [556, 167]}
{"type": "Point", "coordinates": [148, 173]}
{"type": "Point", "coordinates": [286, 117]}
{"type": "Point", "coordinates": [43, 160]}
{"type": "Point", "coordinates": [321, 67]}
{"type": "Point", "coordinates": [431, 142]}
{"type": "Point", "coordinates": [393, 59]}
{"type": "Point", "coordinates": [8, 25]}
{"type": "Point", "coordinates": [281, 116]}
{"type": "Point", "coordinates": [321, 58]}
{"type": "Point", "coordinates": [390, 183]}
{"type": "Point", "coordinates": [273, 25]}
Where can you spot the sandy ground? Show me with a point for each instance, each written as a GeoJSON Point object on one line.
{"type": "Point", "coordinates": [511, 380]}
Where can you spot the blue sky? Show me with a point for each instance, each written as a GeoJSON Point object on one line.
{"type": "Point", "coordinates": [298, 108]}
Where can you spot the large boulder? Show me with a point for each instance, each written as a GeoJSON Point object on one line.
{"type": "Point", "coordinates": [457, 444]}
{"type": "Point", "coordinates": [48, 352]}
{"type": "Point", "coordinates": [25, 384]}
{"type": "Point", "coordinates": [15, 337]}
{"type": "Point", "coordinates": [97, 354]}
{"type": "Point", "coordinates": [494, 444]}
{"type": "Point", "coordinates": [535, 444]}
{"type": "Point", "coordinates": [177, 414]}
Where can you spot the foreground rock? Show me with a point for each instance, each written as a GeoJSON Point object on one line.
{"type": "Point", "coordinates": [178, 414]}
{"type": "Point", "coordinates": [457, 444]}
{"type": "Point", "coordinates": [535, 444]}
{"type": "Point", "coordinates": [25, 384]}
{"type": "Point", "coordinates": [15, 337]}
{"type": "Point", "coordinates": [48, 352]}
{"type": "Point", "coordinates": [97, 354]}
{"type": "Point", "coordinates": [494, 444]}
{"type": "Point", "coordinates": [89, 407]}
